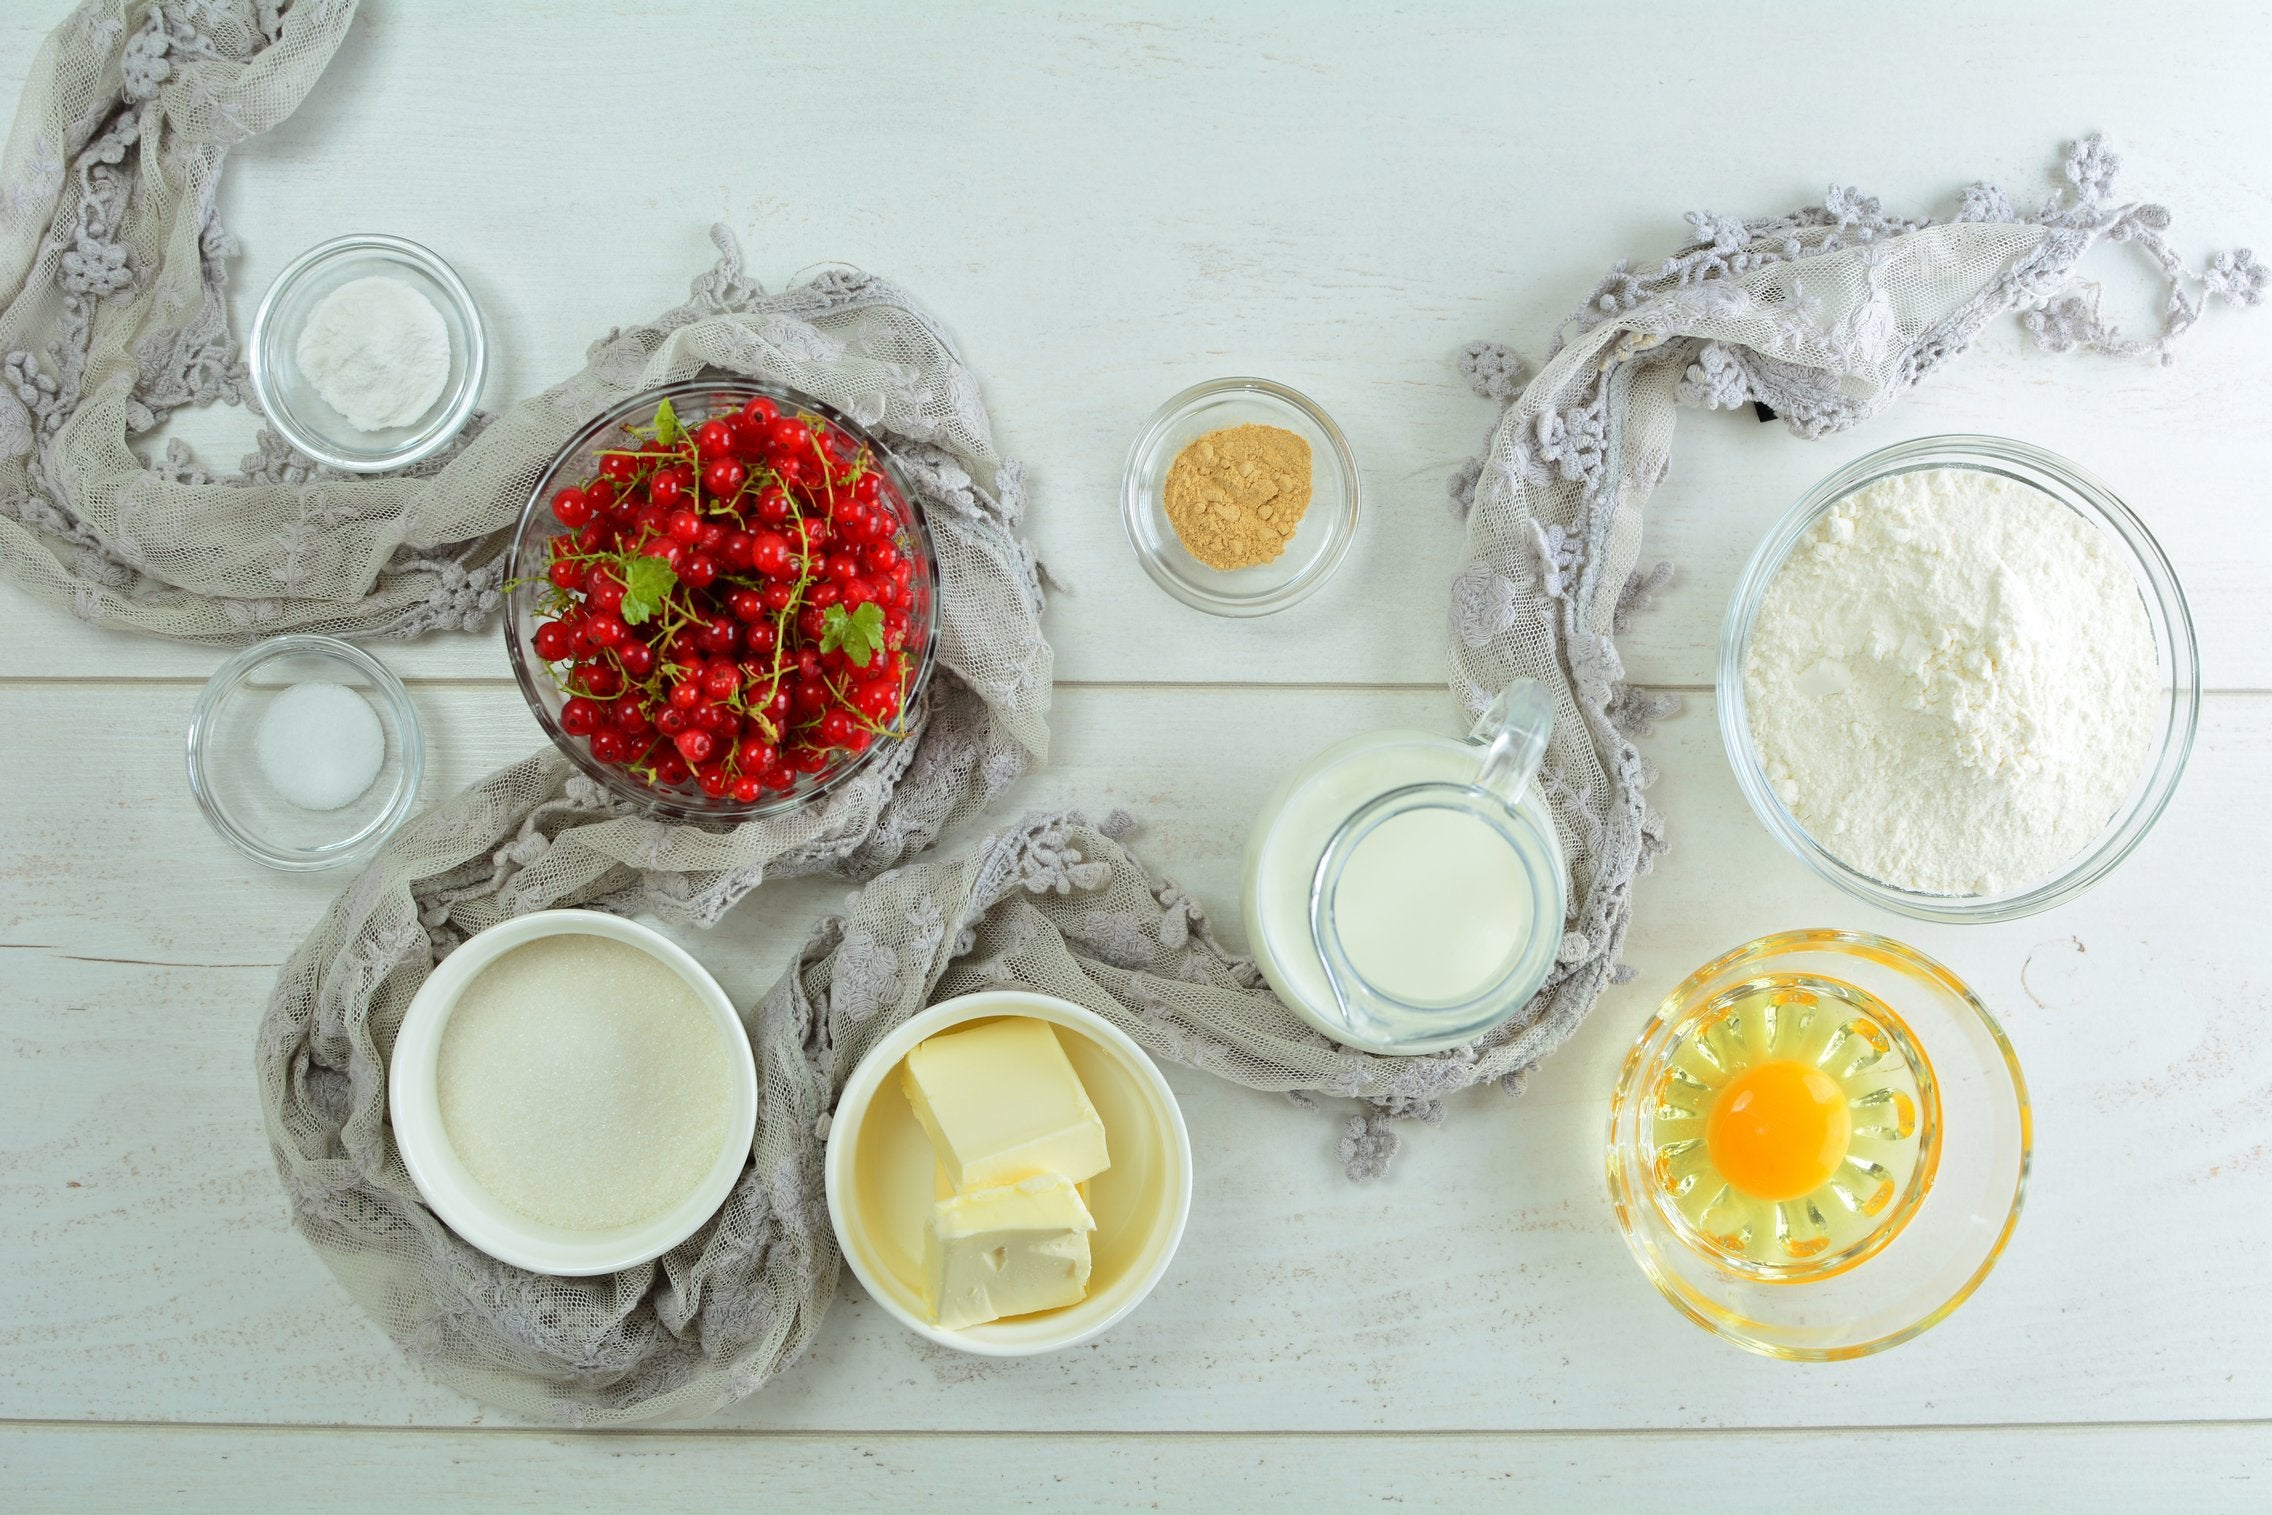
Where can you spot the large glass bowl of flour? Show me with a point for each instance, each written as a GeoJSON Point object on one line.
{"type": "Point", "coordinates": [1937, 691]}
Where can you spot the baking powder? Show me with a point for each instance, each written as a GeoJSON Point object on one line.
{"type": "Point", "coordinates": [377, 351]}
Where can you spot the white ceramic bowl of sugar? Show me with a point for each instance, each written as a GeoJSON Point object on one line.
{"type": "Point", "coordinates": [589, 1103]}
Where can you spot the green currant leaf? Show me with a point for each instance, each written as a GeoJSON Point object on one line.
{"type": "Point", "coordinates": [647, 582]}
{"type": "Point", "coordinates": [666, 424]}
{"type": "Point", "coordinates": [859, 634]}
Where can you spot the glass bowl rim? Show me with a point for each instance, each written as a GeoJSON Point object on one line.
{"type": "Point", "coordinates": [654, 802]}
{"type": "Point", "coordinates": [446, 426]}
{"type": "Point", "coordinates": [2166, 606]}
{"type": "Point", "coordinates": [1135, 503]}
{"type": "Point", "coordinates": [1626, 1204]}
{"type": "Point", "coordinates": [230, 676]}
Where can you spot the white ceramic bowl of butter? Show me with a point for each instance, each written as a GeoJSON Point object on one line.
{"type": "Point", "coordinates": [881, 1176]}
{"type": "Point", "coordinates": [444, 1179]}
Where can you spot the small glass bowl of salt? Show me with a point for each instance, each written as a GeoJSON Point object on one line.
{"type": "Point", "coordinates": [305, 752]}
{"type": "Point", "coordinates": [367, 353]}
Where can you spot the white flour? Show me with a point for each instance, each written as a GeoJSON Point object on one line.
{"type": "Point", "coordinates": [377, 351]}
{"type": "Point", "coordinates": [1952, 682]}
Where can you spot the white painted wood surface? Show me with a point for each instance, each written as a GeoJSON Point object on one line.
{"type": "Point", "coordinates": [1105, 209]}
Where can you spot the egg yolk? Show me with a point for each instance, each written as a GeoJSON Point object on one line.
{"type": "Point", "coordinates": [1779, 1129]}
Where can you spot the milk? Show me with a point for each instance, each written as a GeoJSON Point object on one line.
{"type": "Point", "coordinates": [1433, 906]}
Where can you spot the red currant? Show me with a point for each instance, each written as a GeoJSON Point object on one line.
{"type": "Point", "coordinates": [878, 700]}
{"type": "Point", "coordinates": [696, 745]}
{"type": "Point", "coordinates": [572, 508]}
{"type": "Point", "coordinates": [713, 439]}
{"type": "Point", "coordinates": [747, 788]}
{"type": "Point", "coordinates": [637, 657]}
{"type": "Point", "coordinates": [599, 680]}
{"type": "Point", "coordinates": [769, 554]}
{"type": "Point", "coordinates": [724, 477]}
{"type": "Point", "coordinates": [551, 642]}
{"type": "Point", "coordinates": [698, 571]}
{"type": "Point", "coordinates": [789, 435]}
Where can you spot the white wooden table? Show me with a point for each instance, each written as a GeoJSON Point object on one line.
{"type": "Point", "coordinates": [1106, 209]}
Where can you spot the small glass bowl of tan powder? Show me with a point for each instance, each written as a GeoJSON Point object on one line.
{"type": "Point", "coordinates": [1240, 496]}
{"type": "Point", "coordinates": [367, 353]}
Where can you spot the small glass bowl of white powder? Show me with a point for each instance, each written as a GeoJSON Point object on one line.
{"type": "Point", "coordinates": [1958, 679]}
{"type": "Point", "coordinates": [305, 752]}
{"type": "Point", "coordinates": [367, 353]}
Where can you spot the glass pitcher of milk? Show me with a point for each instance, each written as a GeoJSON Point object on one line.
{"type": "Point", "coordinates": [1405, 891]}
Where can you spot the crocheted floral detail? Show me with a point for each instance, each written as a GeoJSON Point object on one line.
{"type": "Point", "coordinates": [1493, 370]}
{"type": "Point", "coordinates": [1461, 487]}
{"type": "Point", "coordinates": [2236, 276]}
{"type": "Point", "coordinates": [1639, 594]}
{"type": "Point", "coordinates": [1635, 711]}
{"type": "Point", "coordinates": [1715, 381]}
{"type": "Point", "coordinates": [1573, 440]}
{"type": "Point", "coordinates": [1483, 603]}
{"type": "Point", "coordinates": [1368, 1143]}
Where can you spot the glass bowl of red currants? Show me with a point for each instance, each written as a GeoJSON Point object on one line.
{"type": "Point", "coordinates": [722, 600]}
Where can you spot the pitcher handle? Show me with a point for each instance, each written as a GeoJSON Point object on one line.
{"type": "Point", "coordinates": [1513, 734]}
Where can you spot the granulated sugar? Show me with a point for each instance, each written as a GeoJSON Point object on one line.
{"type": "Point", "coordinates": [583, 1083]}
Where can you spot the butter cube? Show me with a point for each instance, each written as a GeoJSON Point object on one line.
{"type": "Point", "coordinates": [1001, 1102]}
{"type": "Point", "coordinates": [1008, 1250]}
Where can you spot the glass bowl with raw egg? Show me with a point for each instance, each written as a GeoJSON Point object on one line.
{"type": "Point", "coordinates": [723, 600]}
{"type": "Point", "coordinates": [1818, 1145]}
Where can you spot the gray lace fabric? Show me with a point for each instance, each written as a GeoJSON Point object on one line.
{"type": "Point", "coordinates": [1823, 317]}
